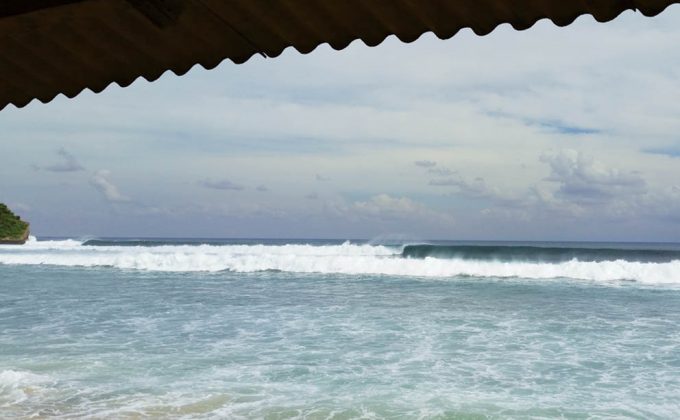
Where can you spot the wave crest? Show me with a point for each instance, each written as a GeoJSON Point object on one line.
{"type": "Point", "coordinates": [347, 258]}
{"type": "Point", "coordinates": [544, 254]}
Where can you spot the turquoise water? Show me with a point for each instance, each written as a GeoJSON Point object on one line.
{"type": "Point", "coordinates": [102, 341]}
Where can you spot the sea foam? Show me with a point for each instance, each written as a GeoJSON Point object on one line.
{"type": "Point", "coordinates": [16, 386]}
{"type": "Point", "coordinates": [346, 258]}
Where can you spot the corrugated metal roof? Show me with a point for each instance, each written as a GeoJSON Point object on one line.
{"type": "Point", "coordinates": [64, 46]}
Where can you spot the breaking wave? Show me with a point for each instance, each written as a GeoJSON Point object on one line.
{"type": "Point", "coordinates": [652, 267]}
{"type": "Point", "coordinates": [17, 386]}
{"type": "Point", "coordinates": [539, 253]}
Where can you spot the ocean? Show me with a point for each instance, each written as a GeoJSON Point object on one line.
{"type": "Point", "coordinates": [277, 329]}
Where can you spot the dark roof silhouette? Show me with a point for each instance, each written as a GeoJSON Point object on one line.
{"type": "Point", "coordinates": [48, 47]}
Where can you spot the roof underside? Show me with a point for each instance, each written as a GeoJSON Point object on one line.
{"type": "Point", "coordinates": [48, 47]}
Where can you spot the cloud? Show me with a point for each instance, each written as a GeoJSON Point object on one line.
{"type": "Point", "coordinates": [475, 188]}
{"type": "Point", "coordinates": [101, 182]}
{"type": "Point", "coordinates": [425, 163]}
{"type": "Point", "coordinates": [385, 204]}
{"type": "Point", "coordinates": [673, 151]}
{"type": "Point", "coordinates": [321, 178]}
{"type": "Point", "coordinates": [312, 196]}
{"type": "Point", "coordinates": [386, 207]}
{"type": "Point", "coordinates": [578, 187]}
{"type": "Point", "coordinates": [224, 185]}
{"type": "Point", "coordinates": [581, 178]}
{"type": "Point", "coordinates": [440, 171]}
{"type": "Point", "coordinates": [68, 163]}
{"type": "Point", "coordinates": [581, 189]}
{"type": "Point", "coordinates": [564, 128]}
{"type": "Point", "coordinates": [663, 204]}
{"type": "Point", "coordinates": [551, 125]}
{"type": "Point", "coordinates": [262, 188]}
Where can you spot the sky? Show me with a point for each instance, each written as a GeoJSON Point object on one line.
{"type": "Point", "coordinates": [565, 134]}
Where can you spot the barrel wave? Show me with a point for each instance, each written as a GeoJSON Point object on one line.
{"type": "Point", "coordinates": [525, 253]}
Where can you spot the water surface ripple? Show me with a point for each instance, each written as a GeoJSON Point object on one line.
{"type": "Point", "coordinates": [120, 343]}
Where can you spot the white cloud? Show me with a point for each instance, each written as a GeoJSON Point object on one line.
{"type": "Point", "coordinates": [583, 179]}
{"type": "Point", "coordinates": [100, 181]}
{"type": "Point", "coordinates": [476, 187]}
{"type": "Point", "coordinates": [385, 206]}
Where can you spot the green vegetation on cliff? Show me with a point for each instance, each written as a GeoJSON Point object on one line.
{"type": "Point", "coordinates": [12, 228]}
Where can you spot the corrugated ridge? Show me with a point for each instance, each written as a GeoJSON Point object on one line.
{"type": "Point", "coordinates": [93, 43]}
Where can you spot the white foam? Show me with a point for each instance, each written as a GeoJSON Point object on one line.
{"type": "Point", "coordinates": [340, 259]}
{"type": "Point", "coordinates": [17, 386]}
{"type": "Point", "coordinates": [32, 244]}
{"type": "Point", "coordinates": [14, 378]}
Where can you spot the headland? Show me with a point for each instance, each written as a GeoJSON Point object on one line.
{"type": "Point", "coordinates": [13, 230]}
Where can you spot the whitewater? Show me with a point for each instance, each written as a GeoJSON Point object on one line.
{"type": "Point", "coordinates": [351, 259]}
{"type": "Point", "coordinates": [316, 329]}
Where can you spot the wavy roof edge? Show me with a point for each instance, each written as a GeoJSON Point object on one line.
{"type": "Point", "coordinates": [53, 47]}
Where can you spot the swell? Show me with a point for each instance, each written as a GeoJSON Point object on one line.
{"type": "Point", "coordinates": [538, 253]}
{"type": "Point", "coordinates": [348, 259]}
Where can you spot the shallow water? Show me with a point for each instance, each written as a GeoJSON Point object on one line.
{"type": "Point", "coordinates": [121, 343]}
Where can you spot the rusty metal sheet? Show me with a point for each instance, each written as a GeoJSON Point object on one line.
{"type": "Point", "coordinates": [51, 47]}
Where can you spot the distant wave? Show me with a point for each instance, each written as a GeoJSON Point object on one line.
{"type": "Point", "coordinates": [538, 253]}
{"type": "Point", "coordinates": [137, 242]}
{"type": "Point", "coordinates": [358, 259]}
